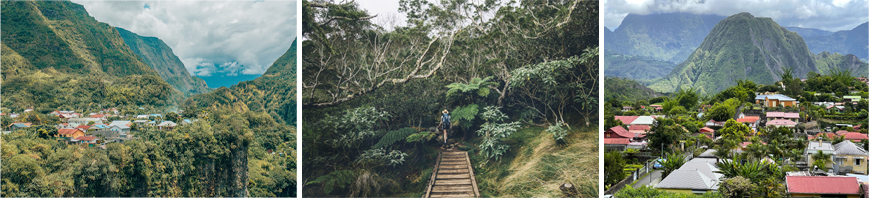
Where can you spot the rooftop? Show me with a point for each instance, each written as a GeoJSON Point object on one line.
{"type": "Point", "coordinates": [778, 97]}
{"type": "Point", "coordinates": [822, 185]}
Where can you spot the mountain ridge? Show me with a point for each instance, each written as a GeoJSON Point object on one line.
{"type": "Point", "coordinates": [155, 53]}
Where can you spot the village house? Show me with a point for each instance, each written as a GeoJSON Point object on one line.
{"type": "Point", "coordinates": [822, 186]}
{"type": "Point", "coordinates": [69, 133]}
{"type": "Point", "coordinates": [795, 117]}
{"type": "Point", "coordinates": [89, 141]}
{"type": "Point", "coordinates": [850, 157]}
{"type": "Point", "coordinates": [851, 98]}
{"type": "Point", "coordinates": [120, 125]}
{"type": "Point", "coordinates": [627, 108]}
{"type": "Point", "coordinates": [167, 125]}
{"type": "Point", "coordinates": [17, 126]}
{"type": "Point", "coordinates": [697, 176]}
{"type": "Point", "coordinates": [84, 120]}
{"type": "Point", "coordinates": [775, 100]}
{"type": "Point", "coordinates": [818, 146]}
{"type": "Point", "coordinates": [782, 123]}
{"type": "Point", "coordinates": [751, 121]}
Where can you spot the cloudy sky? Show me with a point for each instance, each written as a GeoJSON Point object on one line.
{"type": "Point", "coordinates": [830, 15]}
{"type": "Point", "coordinates": [210, 37]}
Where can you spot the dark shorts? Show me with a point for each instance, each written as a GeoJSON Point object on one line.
{"type": "Point", "coordinates": [446, 126]}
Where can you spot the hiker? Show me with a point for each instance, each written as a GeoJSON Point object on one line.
{"type": "Point", "coordinates": [445, 124]}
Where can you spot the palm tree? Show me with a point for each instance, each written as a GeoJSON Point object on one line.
{"type": "Point", "coordinates": [673, 162]}
{"type": "Point", "coordinates": [753, 170]}
{"type": "Point", "coordinates": [821, 159]}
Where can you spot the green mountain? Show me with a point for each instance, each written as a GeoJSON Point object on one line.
{"type": "Point", "coordinates": [55, 55]}
{"type": "Point", "coordinates": [274, 92]}
{"type": "Point", "coordinates": [635, 67]}
{"type": "Point", "coordinates": [854, 41]}
{"type": "Point", "coordinates": [740, 47]}
{"type": "Point", "coordinates": [159, 56]}
{"type": "Point", "coordinates": [669, 37]}
{"type": "Point", "coordinates": [626, 90]}
{"type": "Point", "coordinates": [61, 34]}
{"type": "Point", "coordinates": [756, 49]}
{"type": "Point", "coordinates": [826, 61]}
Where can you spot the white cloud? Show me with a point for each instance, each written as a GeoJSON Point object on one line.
{"type": "Point", "coordinates": [252, 34]}
{"type": "Point", "coordinates": [830, 15]}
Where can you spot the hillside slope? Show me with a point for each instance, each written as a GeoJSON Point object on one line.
{"type": "Point", "coordinates": [274, 92]}
{"type": "Point", "coordinates": [61, 34]}
{"type": "Point", "coordinates": [669, 37]}
{"type": "Point", "coordinates": [854, 41]}
{"type": "Point", "coordinates": [626, 90]}
{"type": "Point", "coordinates": [740, 47]}
{"type": "Point", "coordinates": [635, 67]}
{"type": "Point", "coordinates": [826, 61]}
{"type": "Point", "coordinates": [159, 56]}
{"type": "Point", "coordinates": [55, 55]}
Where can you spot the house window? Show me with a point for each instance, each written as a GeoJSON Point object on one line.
{"type": "Point", "coordinates": [858, 161]}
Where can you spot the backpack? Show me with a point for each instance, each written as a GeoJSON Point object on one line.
{"type": "Point", "coordinates": [446, 119]}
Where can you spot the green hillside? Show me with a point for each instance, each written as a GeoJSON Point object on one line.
{"type": "Point", "coordinates": [159, 56]}
{"type": "Point", "coordinates": [626, 90]}
{"type": "Point", "coordinates": [827, 61]}
{"type": "Point", "coordinates": [635, 67]}
{"type": "Point", "coordinates": [274, 92]}
{"type": "Point", "coordinates": [54, 55]}
{"type": "Point", "coordinates": [669, 37]}
{"type": "Point", "coordinates": [740, 47]}
{"type": "Point", "coordinates": [854, 41]}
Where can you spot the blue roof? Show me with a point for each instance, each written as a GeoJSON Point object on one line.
{"type": "Point", "coordinates": [101, 126]}
{"type": "Point", "coordinates": [778, 97]}
{"type": "Point", "coordinates": [187, 121]}
{"type": "Point", "coordinates": [20, 125]}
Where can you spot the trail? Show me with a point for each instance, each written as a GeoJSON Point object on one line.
{"type": "Point", "coordinates": [452, 176]}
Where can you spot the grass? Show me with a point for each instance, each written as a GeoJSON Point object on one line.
{"type": "Point", "coordinates": [536, 165]}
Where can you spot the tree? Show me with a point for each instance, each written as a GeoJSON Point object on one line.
{"type": "Point", "coordinates": [493, 131]}
{"type": "Point", "coordinates": [674, 161]}
{"type": "Point", "coordinates": [821, 159]}
{"type": "Point", "coordinates": [687, 98]}
{"type": "Point", "coordinates": [737, 187]}
{"type": "Point", "coordinates": [610, 122]}
{"type": "Point", "coordinates": [666, 133]}
{"type": "Point", "coordinates": [734, 131]}
{"type": "Point", "coordinates": [614, 165]}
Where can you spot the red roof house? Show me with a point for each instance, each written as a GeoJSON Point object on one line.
{"type": "Point", "coordinates": [706, 130]}
{"type": "Point", "coordinates": [815, 186]}
{"type": "Point", "coordinates": [854, 136]}
{"type": "Point", "coordinates": [748, 119]}
{"type": "Point", "coordinates": [639, 128]}
{"type": "Point", "coordinates": [627, 119]}
{"type": "Point", "coordinates": [621, 132]}
{"type": "Point", "coordinates": [616, 141]}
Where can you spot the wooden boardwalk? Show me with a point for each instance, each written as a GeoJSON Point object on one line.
{"type": "Point", "coordinates": [452, 176]}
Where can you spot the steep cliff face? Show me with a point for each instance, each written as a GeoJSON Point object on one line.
{"type": "Point", "coordinates": [160, 57]}
{"type": "Point", "coordinates": [740, 47]}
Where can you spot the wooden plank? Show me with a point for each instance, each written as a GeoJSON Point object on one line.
{"type": "Point", "coordinates": [473, 178]}
{"type": "Point", "coordinates": [453, 163]}
{"type": "Point", "coordinates": [454, 195]}
{"type": "Point", "coordinates": [440, 182]}
{"type": "Point", "coordinates": [434, 173]}
{"type": "Point", "coordinates": [453, 160]}
{"type": "Point", "coordinates": [465, 188]}
{"type": "Point", "coordinates": [454, 176]}
{"type": "Point", "coordinates": [464, 170]}
{"type": "Point", "coordinates": [453, 153]}
{"type": "Point", "coordinates": [454, 167]}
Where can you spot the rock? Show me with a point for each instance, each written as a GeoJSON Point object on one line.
{"type": "Point", "coordinates": [569, 190]}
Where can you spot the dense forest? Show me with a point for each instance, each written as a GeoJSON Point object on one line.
{"type": "Point", "coordinates": [241, 141]}
{"type": "Point", "coordinates": [520, 81]}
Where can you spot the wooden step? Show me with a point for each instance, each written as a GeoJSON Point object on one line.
{"type": "Point", "coordinates": [453, 160]}
{"type": "Point", "coordinates": [442, 167]}
{"type": "Point", "coordinates": [451, 196]}
{"type": "Point", "coordinates": [454, 176]}
{"type": "Point", "coordinates": [464, 170]}
{"type": "Point", "coordinates": [454, 163]}
{"type": "Point", "coordinates": [440, 182]}
{"type": "Point", "coordinates": [441, 189]}
{"type": "Point", "coordinates": [446, 154]}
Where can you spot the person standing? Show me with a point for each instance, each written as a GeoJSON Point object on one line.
{"type": "Point", "coordinates": [445, 124]}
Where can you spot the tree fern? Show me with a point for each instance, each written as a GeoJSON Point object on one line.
{"type": "Point", "coordinates": [477, 85]}
{"type": "Point", "coordinates": [394, 136]}
{"type": "Point", "coordinates": [466, 115]}
{"type": "Point", "coordinates": [339, 179]}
